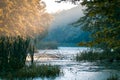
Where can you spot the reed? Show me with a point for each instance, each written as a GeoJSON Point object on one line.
{"type": "Point", "coordinates": [94, 56]}
{"type": "Point", "coordinates": [113, 77]}
{"type": "Point", "coordinates": [13, 52]}
{"type": "Point", "coordinates": [33, 71]}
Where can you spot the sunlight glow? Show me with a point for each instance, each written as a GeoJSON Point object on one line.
{"type": "Point", "coordinates": [53, 7]}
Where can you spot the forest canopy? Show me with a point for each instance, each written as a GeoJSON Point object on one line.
{"type": "Point", "coordinates": [23, 18]}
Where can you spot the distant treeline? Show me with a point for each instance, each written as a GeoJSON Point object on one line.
{"type": "Point", "coordinates": [67, 35]}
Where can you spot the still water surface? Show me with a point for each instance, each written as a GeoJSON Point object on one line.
{"type": "Point", "coordinates": [72, 70]}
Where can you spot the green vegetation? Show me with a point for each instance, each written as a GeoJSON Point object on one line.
{"type": "Point", "coordinates": [33, 71]}
{"type": "Point", "coordinates": [101, 18]}
{"type": "Point", "coordinates": [15, 28]}
{"type": "Point", "coordinates": [94, 56]}
{"type": "Point", "coordinates": [113, 78]}
{"type": "Point", "coordinates": [13, 53]}
{"type": "Point", "coordinates": [70, 36]}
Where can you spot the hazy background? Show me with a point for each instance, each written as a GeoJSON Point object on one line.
{"type": "Point", "coordinates": [61, 32]}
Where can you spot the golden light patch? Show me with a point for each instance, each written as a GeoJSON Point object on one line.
{"type": "Point", "coordinates": [1, 21]}
{"type": "Point", "coordinates": [22, 18]}
{"type": "Point", "coordinates": [1, 12]}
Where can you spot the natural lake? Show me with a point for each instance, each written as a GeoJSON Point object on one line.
{"type": "Point", "coordinates": [72, 70]}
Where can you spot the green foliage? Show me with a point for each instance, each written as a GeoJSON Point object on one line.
{"type": "Point", "coordinates": [64, 35]}
{"type": "Point", "coordinates": [33, 71]}
{"type": "Point", "coordinates": [103, 20]}
{"type": "Point", "coordinates": [113, 77]}
{"type": "Point", "coordinates": [13, 52]}
{"type": "Point", "coordinates": [94, 56]}
{"type": "Point", "coordinates": [90, 56]}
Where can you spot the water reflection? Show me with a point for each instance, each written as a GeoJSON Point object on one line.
{"type": "Point", "coordinates": [73, 70]}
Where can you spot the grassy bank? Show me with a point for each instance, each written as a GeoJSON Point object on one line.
{"type": "Point", "coordinates": [32, 71]}
{"type": "Point", "coordinates": [94, 56]}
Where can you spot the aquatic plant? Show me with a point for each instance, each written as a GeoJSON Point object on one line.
{"type": "Point", "coordinates": [113, 77]}
{"type": "Point", "coordinates": [94, 56]}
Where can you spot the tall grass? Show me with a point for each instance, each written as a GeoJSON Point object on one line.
{"type": "Point", "coordinates": [33, 71]}
{"type": "Point", "coordinates": [113, 77]}
{"type": "Point", "coordinates": [13, 52]}
{"type": "Point", "coordinates": [94, 56]}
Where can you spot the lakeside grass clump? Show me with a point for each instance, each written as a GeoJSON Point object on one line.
{"type": "Point", "coordinates": [13, 52]}
{"type": "Point", "coordinates": [113, 77]}
{"type": "Point", "coordinates": [95, 56]}
{"type": "Point", "coordinates": [33, 71]}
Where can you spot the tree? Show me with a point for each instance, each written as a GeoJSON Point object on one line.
{"type": "Point", "coordinates": [23, 17]}
{"type": "Point", "coordinates": [19, 20]}
{"type": "Point", "coordinates": [102, 19]}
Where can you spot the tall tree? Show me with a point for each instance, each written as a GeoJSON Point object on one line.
{"type": "Point", "coordinates": [102, 18]}
{"type": "Point", "coordinates": [22, 17]}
